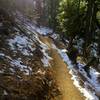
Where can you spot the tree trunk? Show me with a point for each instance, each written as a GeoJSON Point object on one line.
{"type": "Point", "coordinates": [90, 23]}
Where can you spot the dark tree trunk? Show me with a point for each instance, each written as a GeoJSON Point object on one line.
{"type": "Point", "coordinates": [90, 24]}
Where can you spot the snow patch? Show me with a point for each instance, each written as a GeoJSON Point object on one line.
{"type": "Point", "coordinates": [5, 93]}
{"type": "Point", "coordinates": [55, 36]}
{"type": "Point", "coordinates": [21, 43]}
{"type": "Point", "coordinates": [2, 54]}
{"type": "Point", "coordinates": [46, 58]}
{"type": "Point", "coordinates": [46, 61]}
{"type": "Point", "coordinates": [33, 31]}
{"type": "Point", "coordinates": [94, 77]}
{"type": "Point", "coordinates": [19, 64]}
{"type": "Point", "coordinates": [1, 71]}
{"type": "Point", "coordinates": [90, 95]}
{"type": "Point", "coordinates": [44, 30]}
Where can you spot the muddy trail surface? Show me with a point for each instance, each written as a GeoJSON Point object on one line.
{"type": "Point", "coordinates": [61, 73]}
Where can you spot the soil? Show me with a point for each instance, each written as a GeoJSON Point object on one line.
{"type": "Point", "coordinates": [61, 73]}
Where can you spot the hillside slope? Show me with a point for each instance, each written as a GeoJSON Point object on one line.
{"type": "Point", "coordinates": [35, 65]}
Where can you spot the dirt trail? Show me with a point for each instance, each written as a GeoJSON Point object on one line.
{"type": "Point", "coordinates": [68, 90]}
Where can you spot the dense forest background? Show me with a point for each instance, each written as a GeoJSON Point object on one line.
{"type": "Point", "coordinates": [78, 21]}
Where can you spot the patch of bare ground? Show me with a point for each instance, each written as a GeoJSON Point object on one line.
{"type": "Point", "coordinates": [39, 85]}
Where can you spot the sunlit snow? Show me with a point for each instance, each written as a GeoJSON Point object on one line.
{"type": "Point", "coordinates": [21, 43]}
{"type": "Point", "coordinates": [90, 95]}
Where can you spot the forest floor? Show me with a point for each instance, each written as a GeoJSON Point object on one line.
{"type": "Point", "coordinates": [68, 90]}
{"type": "Point", "coordinates": [39, 59]}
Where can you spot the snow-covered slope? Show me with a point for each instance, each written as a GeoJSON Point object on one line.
{"type": "Point", "coordinates": [24, 61]}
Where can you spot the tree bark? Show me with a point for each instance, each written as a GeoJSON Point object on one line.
{"type": "Point", "coordinates": [90, 24]}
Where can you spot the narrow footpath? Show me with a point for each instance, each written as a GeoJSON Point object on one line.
{"type": "Point", "coordinates": [68, 90]}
